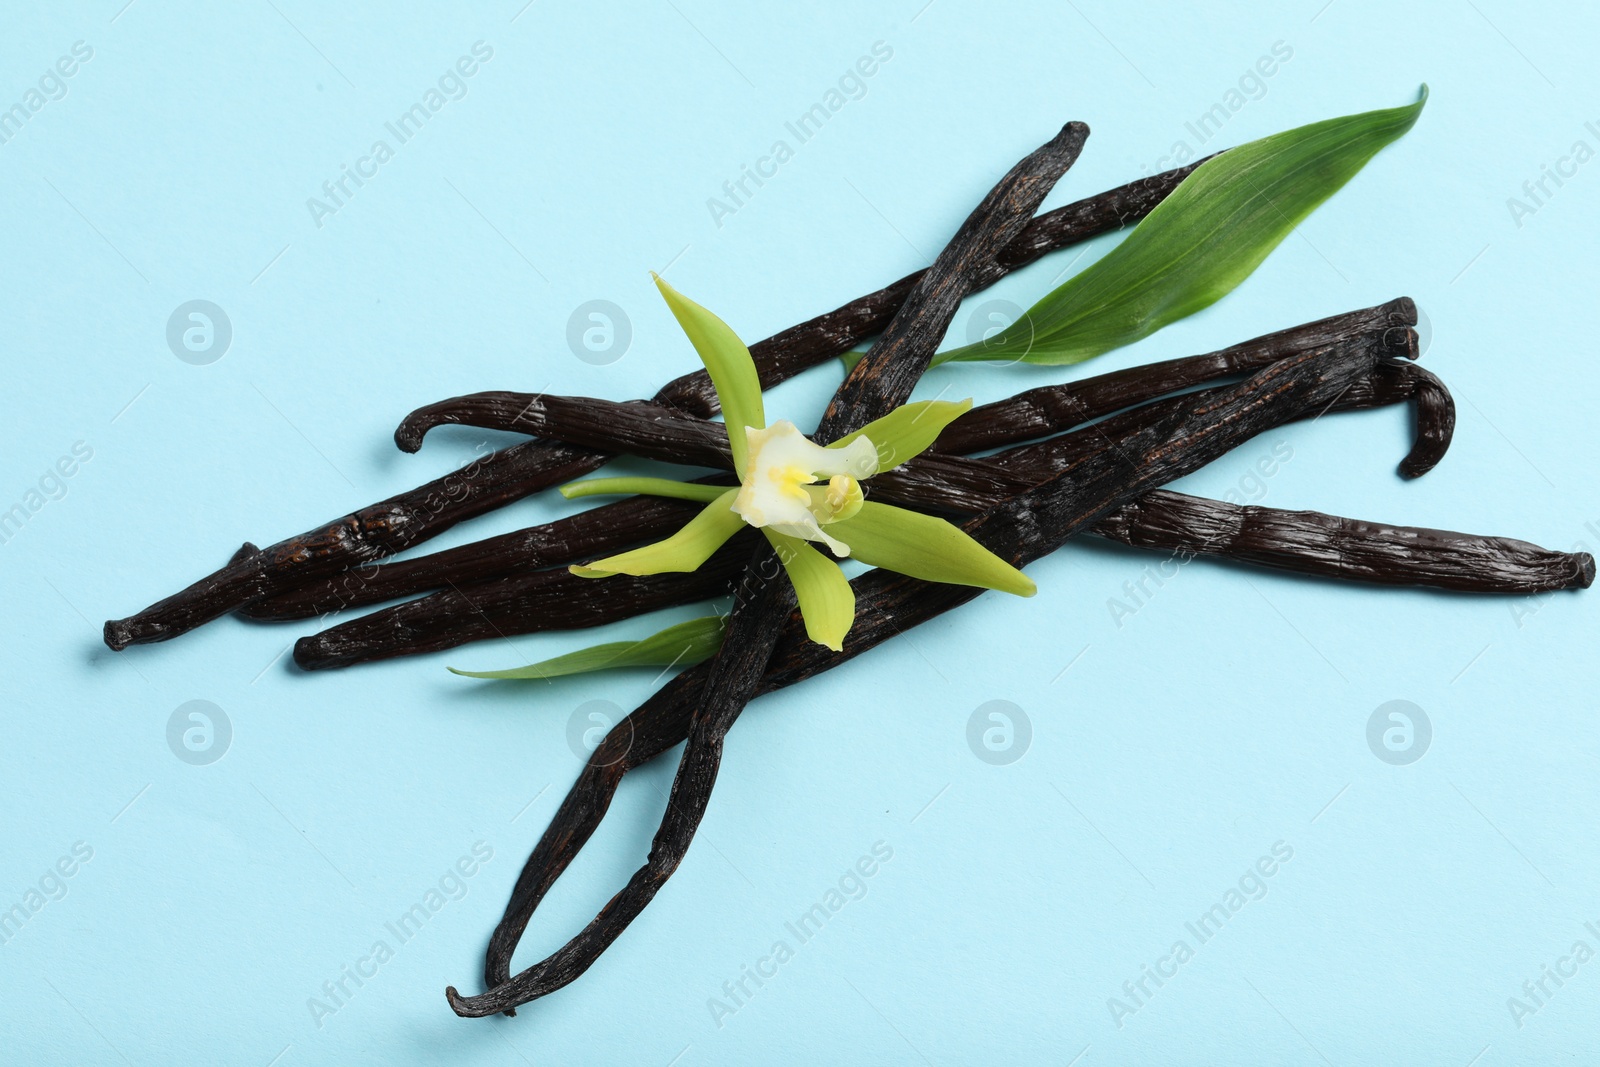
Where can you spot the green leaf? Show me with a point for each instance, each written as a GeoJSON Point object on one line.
{"type": "Point", "coordinates": [827, 603]}
{"type": "Point", "coordinates": [682, 645]}
{"type": "Point", "coordinates": [908, 430]}
{"type": "Point", "coordinates": [644, 486]}
{"type": "Point", "coordinates": [683, 551]}
{"type": "Point", "coordinates": [922, 546]}
{"type": "Point", "coordinates": [733, 372]}
{"type": "Point", "coordinates": [1199, 243]}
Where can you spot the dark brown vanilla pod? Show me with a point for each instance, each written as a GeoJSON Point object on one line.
{"type": "Point", "coordinates": [527, 468]}
{"type": "Point", "coordinates": [519, 603]}
{"type": "Point", "coordinates": [1435, 423]}
{"type": "Point", "coordinates": [408, 518]}
{"type": "Point", "coordinates": [881, 381]}
{"type": "Point", "coordinates": [955, 484]}
{"type": "Point", "coordinates": [607, 528]}
{"type": "Point", "coordinates": [1310, 542]}
{"type": "Point", "coordinates": [1021, 530]}
{"type": "Point", "coordinates": [815, 341]}
{"type": "Point", "coordinates": [1050, 409]}
{"type": "Point", "coordinates": [1391, 382]}
{"type": "Point", "coordinates": [634, 427]}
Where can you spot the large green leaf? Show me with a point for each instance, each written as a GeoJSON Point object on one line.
{"type": "Point", "coordinates": [682, 645]}
{"type": "Point", "coordinates": [908, 430]}
{"type": "Point", "coordinates": [683, 551]}
{"type": "Point", "coordinates": [827, 603]}
{"type": "Point", "coordinates": [733, 372]}
{"type": "Point", "coordinates": [925, 547]}
{"type": "Point", "coordinates": [1199, 243]}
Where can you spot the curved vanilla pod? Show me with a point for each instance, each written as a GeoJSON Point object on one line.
{"type": "Point", "coordinates": [881, 381]}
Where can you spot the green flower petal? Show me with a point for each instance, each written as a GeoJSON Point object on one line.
{"type": "Point", "coordinates": [682, 645]}
{"type": "Point", "coordinates": [925, 547]}
{"type": "Point", "coordinates": [733, 372]}
{"type": "Point", "coordinates": [644, 486]}
{"type": "Point", "coordinates": [827, 603]}
{"type": "Point", "coordinates": [908, 430]}
{"type": "Point", "coordinates": [683, 551]}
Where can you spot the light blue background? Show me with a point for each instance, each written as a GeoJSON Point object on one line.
{"type": "Point", "coordinates": [1227, 714]}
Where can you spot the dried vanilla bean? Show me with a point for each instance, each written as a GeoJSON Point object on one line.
{"type": "Point", "coordinates": [378, 530]}
{"type": "Point", "coordinates": [607, 528]}
{"type": "Point", "coordinates": [1310, 542]}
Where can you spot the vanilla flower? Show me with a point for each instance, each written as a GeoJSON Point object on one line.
{"type": "Point", "coordinates": [799, 492]}
{"type": "Point", "coordinates": [779, 489]}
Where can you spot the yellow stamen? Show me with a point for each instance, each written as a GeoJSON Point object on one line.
{"type": "Point", "coordinates": [791, 481]}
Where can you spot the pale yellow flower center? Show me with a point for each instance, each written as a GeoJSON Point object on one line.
{"type": "Point", "coordinates": [792, 481]}
{"type": "Point", "coordinates": [779, 487]}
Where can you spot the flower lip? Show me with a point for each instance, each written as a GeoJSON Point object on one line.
{"type": "Point", "coordinates": [778, 485]}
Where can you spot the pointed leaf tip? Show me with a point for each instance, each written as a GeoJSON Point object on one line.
{"type": "Point", "coordinates": [727, 360]}
{"type": "Point", "coordinates": [922, 546]}
{"type": "Point", "coordinates": [827, 603]}
{"type": "Point", "coordinates": [685, 550]}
